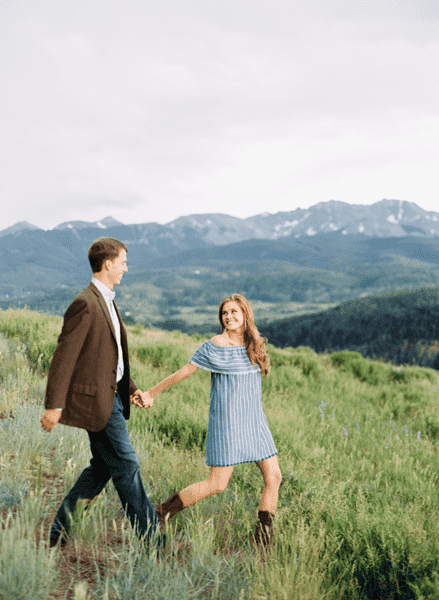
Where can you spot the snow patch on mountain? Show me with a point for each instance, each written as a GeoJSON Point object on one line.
{"type": "Point", "coordinates": [288, 224]}
{"type": "Point", "coordinates": [196, 223]}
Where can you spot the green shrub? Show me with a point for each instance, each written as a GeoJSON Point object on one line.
{"type": "Point", "coordinates": [281, 379]}
{"type": "Point", "coordinates": [377, 373]}
{"type": "Point", "coordinates": [411, 373]}
{"type": "Point", "coordinates": [302, 357]}
{"type": "Point", "coordinates": [163, 355]}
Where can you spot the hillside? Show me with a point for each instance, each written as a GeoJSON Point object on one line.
{"type": "Point", "coordinates": [288, 276]}
{"type": "Point", "coordinates": [325, 255]}
{"type": "Point", "coordinates": [401, 326]}
{"type": "Point", "coordinates": [357, 445]}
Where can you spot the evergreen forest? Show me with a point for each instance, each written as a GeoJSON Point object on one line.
{"type": "Point", "coordinates": [401, 327]}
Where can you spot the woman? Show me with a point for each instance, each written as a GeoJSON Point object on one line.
{"type": "Point", "coordinates": [238, 431]}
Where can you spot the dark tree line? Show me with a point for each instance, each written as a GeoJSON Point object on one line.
{"type": "Point", "coordinates": [401, 327]}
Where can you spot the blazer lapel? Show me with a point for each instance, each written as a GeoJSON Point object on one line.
{"type": "Point", "coordinates": [104, 307]}
{"type": "Point", "coordinates": [123, 335]}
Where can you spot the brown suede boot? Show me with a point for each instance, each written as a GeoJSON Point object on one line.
{"type": "Point", "coordinates": [264, 529]}
{"type": "Point", "coordinates": [169, 508]}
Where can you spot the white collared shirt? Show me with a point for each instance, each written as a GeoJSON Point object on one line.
{"type": "Point", "coordinates": [109, 297]}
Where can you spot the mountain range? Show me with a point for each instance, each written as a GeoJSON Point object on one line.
{"type": "Point", "coordinates": [387, 218]}
{"type": "Point", "coordinates": [327, 254]}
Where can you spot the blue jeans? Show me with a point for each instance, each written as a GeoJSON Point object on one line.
{"type": "Point", "coordinates": [113, 457]}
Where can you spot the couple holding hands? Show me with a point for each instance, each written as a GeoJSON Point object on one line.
{"type": "Point", "coordinates": [89, 386]}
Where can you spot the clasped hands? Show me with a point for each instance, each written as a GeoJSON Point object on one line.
{"type": "Point", "coordinates": [142, 399]}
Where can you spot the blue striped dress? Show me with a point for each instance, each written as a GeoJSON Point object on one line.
{"type": "Point", "coordinates": [238, 430]}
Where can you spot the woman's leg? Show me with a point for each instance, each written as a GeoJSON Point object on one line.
{"type": "Point", "coordinates": [272, 480]}
{"type": "Point", "coordinates": [216, 483]}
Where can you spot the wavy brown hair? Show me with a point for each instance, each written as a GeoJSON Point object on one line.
{"type": "Point", "coordinates": [105, 248]}
{"type": "Point", "coordinates": [254, 343]}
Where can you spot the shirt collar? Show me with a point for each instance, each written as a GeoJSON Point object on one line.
{"type": "Point", "coordinates": [106, 292]}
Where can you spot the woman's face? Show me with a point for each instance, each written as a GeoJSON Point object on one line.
{"type": "Point", "coordinates": [232, 316]}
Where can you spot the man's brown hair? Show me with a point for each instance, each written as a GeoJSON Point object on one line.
{"type": "Point", "coordinates": [104, 248]}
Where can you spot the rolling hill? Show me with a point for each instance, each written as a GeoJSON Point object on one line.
{"type": "Point", "coordinates": [294, 262]}
{"type": "Point", "coordinates": [402, 327]}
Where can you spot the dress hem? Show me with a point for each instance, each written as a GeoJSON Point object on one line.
{"type": "Point", "coordinates": [243, 462]}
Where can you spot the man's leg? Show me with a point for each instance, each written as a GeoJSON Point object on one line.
{"type": "Point", "coordinates": [89, 484]}
{"type": "Point", "coordinates": [115, 449]}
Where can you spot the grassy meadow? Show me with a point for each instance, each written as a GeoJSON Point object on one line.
{"type": "Point", "coordinates": [358, 513]}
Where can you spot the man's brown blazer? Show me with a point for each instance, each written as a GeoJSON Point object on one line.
{"type": "Point", "coordinates": [82, 374]}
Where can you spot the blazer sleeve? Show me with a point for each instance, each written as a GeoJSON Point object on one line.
{"type": "Point", "coordinates": [132, 387]}
{"type": "Point", "coordinates": [70, 342]}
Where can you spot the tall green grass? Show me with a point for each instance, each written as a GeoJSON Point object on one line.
{"type": "Point", "coordinates": [37, 332]}
{"type": "Point", "coordinates": [358, 513]}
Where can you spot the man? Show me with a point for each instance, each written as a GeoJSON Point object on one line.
{"type": "Point", "coordinates": [89, 386]}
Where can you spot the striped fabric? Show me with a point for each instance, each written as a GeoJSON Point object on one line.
{"type": "Point", "coordinates": [238, 430]}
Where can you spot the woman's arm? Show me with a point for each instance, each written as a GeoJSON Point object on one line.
{"type": "Point", "coordinates": [176, 377]}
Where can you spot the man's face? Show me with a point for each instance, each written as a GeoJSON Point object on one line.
{"type": "Point", "coordinates": [117, 267]}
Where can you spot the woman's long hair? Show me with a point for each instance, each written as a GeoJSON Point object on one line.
{"type": "Point", "coordinates": [254, 343]}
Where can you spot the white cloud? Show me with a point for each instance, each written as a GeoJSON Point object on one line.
{"type": "Point", "coordinates": [154, 109]}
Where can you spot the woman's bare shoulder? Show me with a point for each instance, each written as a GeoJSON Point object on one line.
{"type": "Point", "coordinates": [218, 340]}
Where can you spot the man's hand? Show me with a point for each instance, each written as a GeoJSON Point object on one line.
{"type": "Point", "coordinates": [136, 399]}
{"type": "Point", "coordinates": [142, 399]}
{"type": "Point", "coordinates": [50, 419]}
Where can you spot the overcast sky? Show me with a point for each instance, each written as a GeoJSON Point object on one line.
{"type": "Point", "coordinates": [147, 110]}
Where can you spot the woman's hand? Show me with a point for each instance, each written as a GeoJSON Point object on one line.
{"type": "Point", "coordinates": [147, 399]}
{"type": "Point", "coordinates": [142, 399]}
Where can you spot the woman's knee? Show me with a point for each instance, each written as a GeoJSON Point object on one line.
{"type": "Point", "coordinates": [218, 486]}
{"type": "Point", "coordinates": [219, 479]}
{"type": "Point", "coordinates": [274, 478]}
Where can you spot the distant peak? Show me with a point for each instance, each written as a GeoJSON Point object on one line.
{"type": "Point", "coordinates": [25, 225]}
{"type": "Point", "coordinates": [102, 224]}
{"type": "Point", "coordinates": [110, 222]}
{"type": "Point", "coordinates": [19, 226]}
